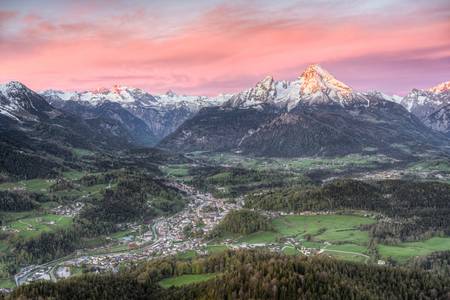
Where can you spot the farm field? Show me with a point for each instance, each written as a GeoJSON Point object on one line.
{"type": "Point", "coordinates": [347, 248]}
{"type": "Point", "coordinates": [186, 279]}
{"type": "Point", "coordinates": [290, 250]}
{"type": "Point", "coordinates": [33, 226]}
{"type": "Point", "coordinates": [299, 165]}
{"type": "Point", "coordinates": [216, 248]}
{"type": "Point", "coordinates": [189, 254]}
{"type": "Point", "coordinates": [176, 170]}
{"type": "Point", "coordinates": [32, 185]}
{"type": "Point", "coordinates": [6, 283]}
{"type": "Point", "coordinates": [336, 235]}
{"type": "Point", "coordinates": [42, 185]}
{"type": "Point", "coordinates": [347, 256]}
{"type": "Point", "coordinates": [431, 165]}
{"type": "Point", "coordinates": [320, 228]}
{"type": "Point", "coordinates": [404, 251]}
{"type": "Point", "coordinates": [324, 227]}
{"type": "Point", "coordinates": [260, 237]}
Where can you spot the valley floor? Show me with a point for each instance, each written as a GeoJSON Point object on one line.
{"type": "Point", "coordinates": [328, 233]}
{"type": "Point", "coordinates": [336, 234]}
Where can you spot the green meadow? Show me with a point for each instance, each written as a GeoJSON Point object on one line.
{"type": "Point", "coordinates": [405, 251]}
{"type": "Point", "coordinates": [186, 279]}
{"type": "Point", "coordinates": [33, 226]}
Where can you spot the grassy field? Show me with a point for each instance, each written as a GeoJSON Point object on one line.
{"type": "Point", "coordinates": [216, 248]}
{"type": "Point", "coordinates": [324, 227]}
{"type": "Point", "coordinates": [296, 164]}
{"type": "Point", "coordinates": [344, 235]}
{"type": "Point", "coordinates": [260, 237]}
{"type": "Point", "coordinates": [347, 248]}
{"type": "Point", "coordinates": [84, 190]}
{"type": "Point", "coordinates": [40, 185]}
{"type": "Point", "coordinates": [3, 246]}
{"type": "Point", "coordinates": [439, 165]}
{"type": "Point", "coordinates": [405, 251]}
{"type": "Point", "coordinates": [7, 283]}
{"type": "Point", "coordinates": [33, 185]}
{"type": "Point", "coordinates": [347, 256]}
{"type": "Point", "coordinates": [186, 279]}
{"type": "Point", "coordinates": [340, 234]}
{"type": "Point", "coordinates": [82, 152]}
{"type": "Point", "coordinates": [189, 254]}
{"type": "Point", "coordinates": [179, 170]}
{"type": "Point", "coordinates": [316, 245]}
{"type": "Point", "coordinates": [121, 234]}
{"type": "Point", "coordinates": [33, 226]}
{"type": "Point", "coordinates": [76, 271]}
{"type": "Point", "coordinates": [289, 250]}
{"type": "Point", "coordinates": [321, 228]}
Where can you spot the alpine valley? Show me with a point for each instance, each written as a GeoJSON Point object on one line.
{"type": "Point", "coordinates": [303, 189]}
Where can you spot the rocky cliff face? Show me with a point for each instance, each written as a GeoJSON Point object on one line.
{"type": "Point", "coordinates": [430, 105]}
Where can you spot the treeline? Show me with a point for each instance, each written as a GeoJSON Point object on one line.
{"type": "Point", "coordinates": [437, 262]}
{"type": "Point", "coordinates": [46, 246]}
{"type": "Point", "coordinates": [249, 275]}
{"type": "Point", "coordinates": [239, 181]}
{"type": "Point", "coordinates": [148, 159]}
{"type": "Point", "coordinates": [136, 196]}
{"type": "Point", "coordinates": [22, 165]}
{"type": "Point", "coordinates": [20, 200]}
{"type": "Point", "coordinates": [241, 222]}
{"type": "Point", "coordinates": [415, 209]}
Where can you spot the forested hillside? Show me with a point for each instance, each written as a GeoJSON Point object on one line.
{"type": "Point", "coordinates": [147, 197]}
{"type": "Point", "coordinates": [248, 275]}
{"type": "Point", "coordinates": [414, 209]}
{"type": "Point", "coordinates": [241, 222]}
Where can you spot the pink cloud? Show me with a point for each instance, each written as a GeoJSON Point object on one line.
{"type": "Point", "coordinates": [224, 50]}
{"type": "Point", "coordinates": [6, 17]}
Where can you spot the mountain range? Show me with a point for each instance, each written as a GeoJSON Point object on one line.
{"type": "Point", "coordinates": [313, 115]}
{"type": "Point", "coordinates": [37, 138]}
{"type": "Point", "coordinates": [162, 114]}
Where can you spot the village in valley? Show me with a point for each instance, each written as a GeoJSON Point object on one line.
{"type": "Point", "coordinates": [164, 236]}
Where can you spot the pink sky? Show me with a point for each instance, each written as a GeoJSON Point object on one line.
{"type": "Point", "coordinates": [392, 47]}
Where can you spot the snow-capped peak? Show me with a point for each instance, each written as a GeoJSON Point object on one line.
{"type": "Point", "coordinates": [423, 103]}
{"type": "Point", "coordinates": [315, 79]}
{"type": "Point", "coordinates": [440, 88]}
{"type": "Point", "coordinates": [393, 98]}
{"type": "Point", "coordinates": [132, 98]}
{"type": "Point", "coordinates": [117, 93]}
{"type": "Point", "coordinates": [12, 87]}
{"type": "Point", "coordinates": [314, 86]}
{"type": "Point", "coordinates": [266, 83]}
{"type": "Point", "coordinates": [18, 100]}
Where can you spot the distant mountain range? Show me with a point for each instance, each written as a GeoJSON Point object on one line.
{"type": "Point", "coordinates": [161, 114]}
{"type": "Point", "coordinates": [431, 106]}
{"type": "Point", "coordinates": [313, 115]}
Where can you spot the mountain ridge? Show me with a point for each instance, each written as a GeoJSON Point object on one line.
{"type": "Point", "coordinates": [150, 118]}
{"type": "Point", "coordinates": [314, 115]}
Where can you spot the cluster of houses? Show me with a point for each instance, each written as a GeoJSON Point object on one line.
{"type": "Point", "coordinates": [32, 273]}
{"type": "Point", "coordinates": [165, 236]}
{"type": "Point", "coordinates": [70, 210]}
